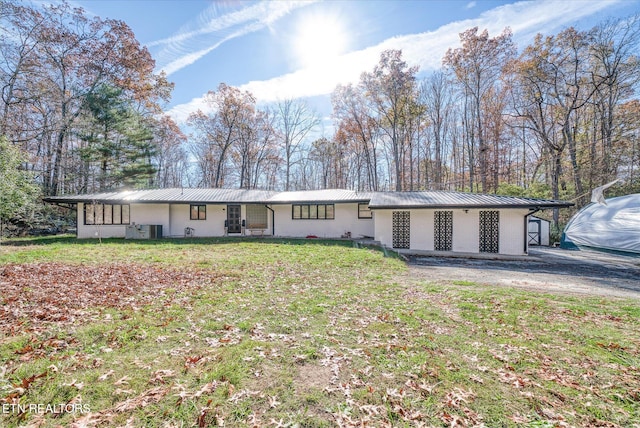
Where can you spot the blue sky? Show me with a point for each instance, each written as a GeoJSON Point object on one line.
{"type": "Point", "coordinates": [289, 49]}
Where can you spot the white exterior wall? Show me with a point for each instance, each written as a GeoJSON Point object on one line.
{"type": "Point", "coordinates": [383, 227]}
{"type": "Point", "coordinates": [151, 214]}
{"type": "Point", "coordinates": [346, 220]}
{"type": "Point", "coordinates": [174, 218]}
{"type": "Point", "coordinates": [212, 226]}
{"type": "Point", "coordinates": [512, 231]}
{"type": "Point", "coordinates": [466, 229]}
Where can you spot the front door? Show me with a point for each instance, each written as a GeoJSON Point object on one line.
{"type": "Point", "coordinates": [233, 219]}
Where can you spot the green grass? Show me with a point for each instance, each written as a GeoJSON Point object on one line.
{"type": "Point", "coordinates": [304, 332]}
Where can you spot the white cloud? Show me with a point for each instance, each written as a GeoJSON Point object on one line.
{"type": "Point", "coordinates": [214, 27]}
{"type": "Point", "coordinates": [424, 49]}
{"type": "Point", "coordinates": [471, 5]}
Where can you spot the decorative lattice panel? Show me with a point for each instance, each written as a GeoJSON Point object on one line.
{"type": "Point", "coordinates": [401, 229]}
{"type": "Point", "coordinates": [489, 231]}
{"type": "Point", "coordinates": [443, 231]}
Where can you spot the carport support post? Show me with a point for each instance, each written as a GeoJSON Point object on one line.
{"type": "Point", "coordinates": [526, 229]}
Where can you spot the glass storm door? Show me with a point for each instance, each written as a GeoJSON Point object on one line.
{"type": "Point", "coordinates": [233, 219]}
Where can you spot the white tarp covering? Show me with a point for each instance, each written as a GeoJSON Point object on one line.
{"type": "Point", "coordinates": [614, 226]}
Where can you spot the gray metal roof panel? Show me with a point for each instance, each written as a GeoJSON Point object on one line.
{"type": "Point", "coordinates": [186, 195]}
{"type": "Point", "coordinates": [326, 195]}
{"type": "Point", "coordinates": [436, 199]}
{"type": "Point", "coordinates": [379, 200]}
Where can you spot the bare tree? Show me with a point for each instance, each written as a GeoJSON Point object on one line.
{"type": "Point", "coordinates": [391, 90]}
{"type": "Point", "coordinates": [477, 66]}
{"type": "Point", "coordinates": [220, 131]}
{"type": "Point", "coordinates": [295, 120]}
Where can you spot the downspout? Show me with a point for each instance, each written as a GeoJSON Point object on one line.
{"type": "Point", "coordinates": [526, 229]}
{"type": "Point", "coordinates": [273, 220]}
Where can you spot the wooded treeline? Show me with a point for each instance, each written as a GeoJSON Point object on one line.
{"type": "Point", "coordinates": [553, 119]}
{"type": "Point", "coordinates": [80, 97]}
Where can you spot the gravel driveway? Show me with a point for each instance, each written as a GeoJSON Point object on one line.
{"type": "Point", "coordinates": [546, 269]}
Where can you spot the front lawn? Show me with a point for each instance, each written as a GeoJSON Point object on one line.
{"type": "Point", "coordinates": [308, 333]}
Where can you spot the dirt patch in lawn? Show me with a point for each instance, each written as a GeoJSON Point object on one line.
{"type": "Point", "coordinates": [313, 376]}
{"type": "Point", "coordinates": [37, 295]}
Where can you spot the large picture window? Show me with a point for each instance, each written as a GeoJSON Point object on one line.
{"type": "Point", "coordinates": [105, 214]}
{"type": "Point", "coordinates": [313, 212]}
{"type": "Point", "coordinates": [198, 212]}
{"type": "Point", "coordinates": [256, 217]}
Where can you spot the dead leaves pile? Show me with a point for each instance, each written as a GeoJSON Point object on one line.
{"type": "Point", "coordinates": [36, 296]}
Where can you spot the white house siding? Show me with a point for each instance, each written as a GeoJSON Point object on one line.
{"type": "Point", "coordinates": [512, 231]}
{"type": "Point", "coordinates": [212, 226]}
{"type": "Point", "coordinates": [346, 220]}
{"type": "Point", "coordinates": [466, 229]}
{"type": "Point", "coordinates": [151, 214]}
{"type": "Point", "coordinates": [138, 214]}
{"type": "Point", "coordinates": [383, 232]}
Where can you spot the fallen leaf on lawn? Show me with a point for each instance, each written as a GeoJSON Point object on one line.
{"type": "Point", "coordinates": [201, 421]}
{"type": "Point", "coordinates": [160, 375]}
{"type": "Point", "coordinates": [458, 396]}
{"type": "Point", "coordinates": [149, 396]}
{"type": "Point", "coordinates": [124, 380]}
{"type": "Point", "coordinates": [106, 375]}
{"type": "Point", "coordinates": [273, 402]}
{"type": "Point", "coordinates": [75, 384]}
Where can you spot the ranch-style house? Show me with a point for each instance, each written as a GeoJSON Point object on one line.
{"type": "Point", "coordinates": [431, 221]}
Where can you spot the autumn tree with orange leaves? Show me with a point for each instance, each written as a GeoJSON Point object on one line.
{"type": "Point", "coordinates": [54, 58]}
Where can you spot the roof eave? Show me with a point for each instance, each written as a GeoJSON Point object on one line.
{"type": "Point", "coordinates": [469, 206]}
{"type": "Point", "coordinates": [135, 201]}
{"type": "Point", "coordinates": [316, 201]}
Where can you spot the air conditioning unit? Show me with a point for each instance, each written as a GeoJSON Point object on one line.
{"type": "Point", "coordinates": [143, 231]}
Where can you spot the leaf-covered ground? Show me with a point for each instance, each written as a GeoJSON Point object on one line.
{"type": "Point", "coordinates": [277, 333]}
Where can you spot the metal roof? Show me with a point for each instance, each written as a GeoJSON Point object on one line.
{"type": "Point", "coordinates": [326, 195]}
{"type": "Point", "coordinates": [379, 200]}
{"type": "Point", "coordinates": [442, 199]}
{"type": "Point", "coordinates": [211, 196]}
